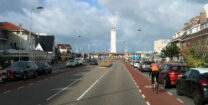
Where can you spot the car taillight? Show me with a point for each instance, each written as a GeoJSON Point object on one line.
{"type": "Point", "coordinates": [203, 82]}
{"type": "Point", "coordinates": [172, 73]}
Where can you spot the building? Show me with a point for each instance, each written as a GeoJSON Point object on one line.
{"type": "Point", "coordinates": [46, 43]}
{"type": "Point", "coordinates": [63, 48]}
{"type": "Point", "coordinates": [17, 43]}
{"type": "Point", "coordinates": [113, 40]}
{"type": "Point", "coordinates": [160, 44]}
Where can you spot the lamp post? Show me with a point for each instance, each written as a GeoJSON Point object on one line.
{"type": "Point", "coordinates": [144, 40]}
{"type": "Point", "coordinates": [31, 25]}
{"type": "Point", "coordinates": [20, 41]}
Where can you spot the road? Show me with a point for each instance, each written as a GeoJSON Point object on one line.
{"type": "Point", "coordinates": [87, 85]}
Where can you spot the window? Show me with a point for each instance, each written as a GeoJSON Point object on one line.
{"type": "Point", "coordinates": [194, 74]}
{"type": "Point", "coordinates": [187, 73]}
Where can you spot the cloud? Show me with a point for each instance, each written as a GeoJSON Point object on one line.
{"type": "Point", "coordinates": [66, 19]}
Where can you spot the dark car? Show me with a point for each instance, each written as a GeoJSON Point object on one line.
{"type": "Point", "coordinates": [145, 66]}
{"type": "Point", "coordinates": [169, 73]}
{"type": "Point", "coordinates": [43, 68]}
{"type": "Point", "coordinates": [93, 62]}
{"type": "Point", "coordinates": [194, 83]}
{"type": "Point", "coordinates": [22, 69]}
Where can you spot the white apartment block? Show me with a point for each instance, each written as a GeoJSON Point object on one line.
{"type": "Point", "coordinates": [160, 44]}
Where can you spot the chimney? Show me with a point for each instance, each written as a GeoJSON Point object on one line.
{"type": "Point", "coordinates": [206, 9]}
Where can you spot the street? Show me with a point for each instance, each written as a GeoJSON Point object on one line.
{"type": "Point", "coordinates": [89, 85]}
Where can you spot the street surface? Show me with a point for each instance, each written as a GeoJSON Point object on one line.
{"type": "Point", "coordinates": [120, 84]}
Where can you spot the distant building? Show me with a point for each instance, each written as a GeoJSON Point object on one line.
{"type": "Point", "coordinates": [113, 40]}
{"type": "Point", "coordinates": [63, 48]}
{"type": "Point", "coordinates": [160, 44]}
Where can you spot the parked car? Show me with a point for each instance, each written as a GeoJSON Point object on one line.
{"type": "Point", "coordinates": [137, 64]}
{"type": "Point", "coordinates": [145, 66]}
{"type": "Point", "coordinates": [43, 68]}
{"type": "Point", "coordinates": [194, 83]}
{"type": "Point", "coordinates": [132, 62]}
{"type": "Point", "coordinates": [71, 63]}
{"type": "Point", "coordinates": [169, 73]}
{"type": "Point", "coordinates": [79, 61]}
{"type": "Point", "coordinates": [22, 69]}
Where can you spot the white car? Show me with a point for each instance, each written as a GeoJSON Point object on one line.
{"type": "Point", "coordinates": [71, 63]}
{"type": "Point", "coordinates": [79, 61]}
{"type": "Point", "coordinates": [137, 65]}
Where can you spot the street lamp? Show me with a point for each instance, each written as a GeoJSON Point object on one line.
{"type": "Point", "coordinates": [31, 25]}
{"type": "Point", "coordinates": [144, 40]}
{"type": "Point", "coordinates": [20, 42]}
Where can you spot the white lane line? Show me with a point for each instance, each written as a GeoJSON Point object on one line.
{"type": "Point", "coordinates": [170, 93]}
{"type": "Point", "coordinates": [143, 96]}
{"type": "Point", "coordinates": [180, 100]}
{"type": "Point", "coordinates": [20, 87]}
{"type": "Point", "coordinates": [140, 90]}
{"type": "Point", "coordinates": [137, 86]}
{"type": "Point", "coordinates": [80, 97]}
{"type": "Point", "coordinates": [8, 91]}
{"type": "Point", "coordinates": [147, 103]}
{"type": "Point", "coordinates": [135, 83]}
{"type": "Point", "coordinates": [49, 98]}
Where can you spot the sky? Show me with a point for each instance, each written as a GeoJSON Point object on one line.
{"type": "Point", "coordinates": [93, 20]}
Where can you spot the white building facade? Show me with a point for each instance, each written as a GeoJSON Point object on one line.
{"type": "Point", "coordinates": [113, 40]}
{"type": "Point", "coordinates": [160, 44]}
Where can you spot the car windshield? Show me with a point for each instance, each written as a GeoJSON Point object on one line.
{"type": "Point", "coordinates": [18, 64]}
{"type": "Point", "coordinates": [179, 68]}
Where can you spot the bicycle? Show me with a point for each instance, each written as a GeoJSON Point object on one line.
{"type": "Point", "coordinates": [155, 85]}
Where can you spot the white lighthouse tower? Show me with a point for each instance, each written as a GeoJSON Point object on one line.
{"type": "Point", "coordinates": [113, 40]}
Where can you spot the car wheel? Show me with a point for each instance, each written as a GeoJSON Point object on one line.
{"type": "Point", "coordinates": [24, 76]}
{"type": "Point", "coordinates": [178, 89]}
{"type": "Point", "coordinates": [197, 98]}
{"type": "Point", "coordinates": [165, 84]}
{"type": "Point", "coordinates": [35, 74]}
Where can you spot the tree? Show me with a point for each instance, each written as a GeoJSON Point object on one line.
{"type": "Point", "coordinates": [171, 50]}
{"type": "Point", "coordinates": [193, 58]}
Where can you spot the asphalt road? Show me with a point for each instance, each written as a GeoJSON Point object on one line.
{"type": "Point", "coordinates": [87, 85]}
{"type": "Point", "coordinates": [102, 86]}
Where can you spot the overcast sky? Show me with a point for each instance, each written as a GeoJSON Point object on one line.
{"type": "Point", "coordinates": [93, 20]}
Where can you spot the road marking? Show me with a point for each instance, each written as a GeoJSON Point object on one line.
{"type": "Point", "coordinates": [135, 83]}
{"type": "Point", "coordinates": [80, 97]}
{"type": "Point", "coordinates": [147, 103]}
{"type": "Point", "coordinates": [143, 95]}
{"type": "Point", "coordinates": [170, 93]}
{"type": "Point", "coordinates": [137, 86]}
{"type": "Point", "coordinates": [20, 87]}
{"type": "Point", "coordinates": [180, 100]}
{"type": "Point", "coordinates": [49, 98]}
{"type": "Point", "coordinates": [8, 91]}
{"type": "Point", "coordinates": [140, 90]}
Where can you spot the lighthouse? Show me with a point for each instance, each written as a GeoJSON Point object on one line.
{"type": "Point", "coordinates": [113, 40]}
